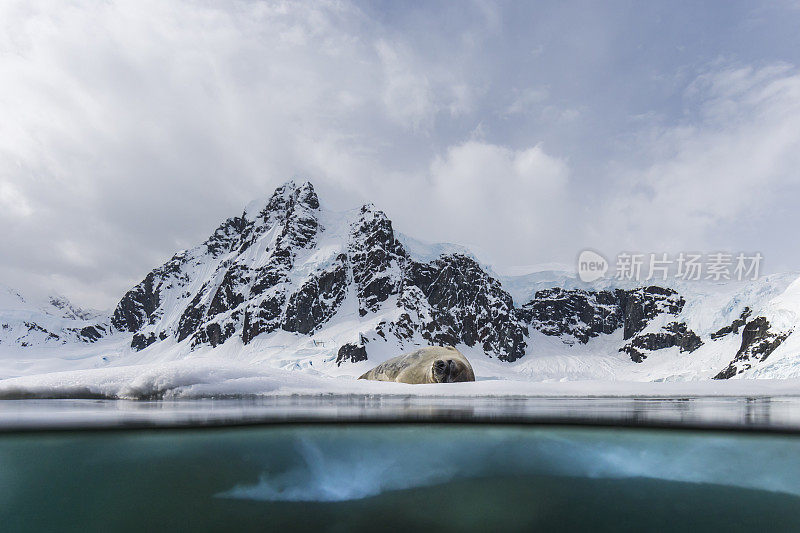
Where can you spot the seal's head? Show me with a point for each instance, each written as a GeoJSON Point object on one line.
{"type": "Point", "coordinates": [450, 371]}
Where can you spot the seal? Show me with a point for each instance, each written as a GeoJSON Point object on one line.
{"type": "Point", "coordinates": [432, 364]}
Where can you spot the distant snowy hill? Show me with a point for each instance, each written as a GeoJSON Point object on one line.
{"type": "Point", "coordinates": [291, 284]}
{"type": "Point", "coordinates": [25, 321]}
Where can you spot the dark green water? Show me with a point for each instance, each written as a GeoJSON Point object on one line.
{"type": "Point", "coordinates": [399, 477]}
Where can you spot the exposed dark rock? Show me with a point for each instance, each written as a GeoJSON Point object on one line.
{"type": "Point", "coordinates": [583, 315]}
{"type": "Point", "coordinates": [586, 314]}
{"type": "Point", "coordinates": [31, 332]}
{"type": "Point", "coordinates": [92, 333]}
{"type": "Point", "coordinates": [449, 301]}
{"type": "Point", "coordinates": [758, 342]}
{"type": "Point", "coordinates": [268, 276]}
{"type": "Point", "coordinates": [673, 334]}
{"type": "Point", "coordinates": [416, 316]}
{"type": "Point", "coordinates": [376, 258]}
{"type": "Point", "coordinates": [192, 317]}
{"type": "Point", "coordinates": [214, 334]}
{"type": "Point", "coordinates": [141, 306]}
{"type": "Point", "coordinates": [686, 339]}
{"type": "Point", "coordinates": [227, 236]}
{"type": "Point", "coordinates": [733, 327]}
{"type": "Point", "coordinates": [140, 341]}
{"type": "Point", "coordinates": [35, 327]}
{"type": "Point", "coordinates": [318, 299]}
{"type": "Point", "coordinates": [230, 292]}
{"type": "Point", "coordinates": [469, 306]}
{"type": "Point", "coordinates": [263, 318]}
{"type": "Point", "coordinates": [579, 313]}
{"type": "Point", "coordinates": [293, 208]}
{"type": "Point", "coordinates": [643, 304]}
{"type": "Point", "coordinates": [137, 306]}
{"type": "Point", "coordinates": [352, 353]}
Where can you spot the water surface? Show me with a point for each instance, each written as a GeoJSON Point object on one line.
{"type": "Point", "coordinates": [780, 414]}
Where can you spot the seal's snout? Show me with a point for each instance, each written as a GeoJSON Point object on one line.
{"type": "Point", "coordinates": [444, 370]}
{"type": "Point", "coordinates": [450, 371]}
{"type": "Point", "coordinates": [441, 370]}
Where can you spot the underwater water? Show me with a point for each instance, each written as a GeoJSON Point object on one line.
{"type": "Point", "coordinates": [435, 477]}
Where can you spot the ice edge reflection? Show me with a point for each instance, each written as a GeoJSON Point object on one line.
{"type": "Point", "coordinates": [762, 413]}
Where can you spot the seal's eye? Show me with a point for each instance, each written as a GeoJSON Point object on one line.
{"type": "Point", "coordinates": [439, 366]}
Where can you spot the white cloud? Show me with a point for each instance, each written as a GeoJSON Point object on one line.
{"type": "Point", "coordinates": [407, 93]}
{"type": "Point", "coordinates": [13, 202]}
{"type": "Point", "coordinates": [136, 127]}
{"type": "Point", "coordinates": [720, 169]}
{"type": "Point", "coordinates": [131, 129]}
{"type": "Point", "coordinates": [510, 203]}
{"type": "Point", "coordinates": [527, 101]}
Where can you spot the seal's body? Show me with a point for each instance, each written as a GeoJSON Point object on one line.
{"type": "Point", "coordinates": [432, 364]}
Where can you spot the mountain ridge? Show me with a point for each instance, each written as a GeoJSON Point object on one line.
{"type": "Point", "coordinates": [288, 265]}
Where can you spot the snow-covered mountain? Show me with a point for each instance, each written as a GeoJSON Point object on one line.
{"type": "Point", "coordinates": [26, 321]}
{"type": "Point", "coordinates": [291, 266]}
{"type": "Point", "coordinates": [303, 286]}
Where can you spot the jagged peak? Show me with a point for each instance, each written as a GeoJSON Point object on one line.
{"type": "Point", "coordinates": [287, 194]}
{"type": "Point", "coordinates": [307, 196]}
{"type": "Point", "coordinates": [224, 237]}
{"type": "Point", "coordinates": [303, 193]}
{"type": "Point", "coordinates": [369, 213]}
{"type": "Point", "coordinates": [373, 223]}
{"type": "Point", "coordinates": [463, 259]}
{"type": "Point", "coordinates": [289, 197]}
{"type": "Point", "coordinates": [464, 263]}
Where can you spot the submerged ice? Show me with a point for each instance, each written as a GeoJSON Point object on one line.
{"type": "Point", "coordinates": [367, 463]}
{"type": "Point", "coordinates": [326, 476]}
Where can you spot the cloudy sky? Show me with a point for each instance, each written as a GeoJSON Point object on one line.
{"type": "Point", "coordinates": [527, 131]}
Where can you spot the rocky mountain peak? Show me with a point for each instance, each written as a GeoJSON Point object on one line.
{"type": "Point", "coordinates": [287, 265]}
{"type": "Point", "coordinates": [377, 258]}
{"type": "Point", "coordinates": [289, 197]}
{"type": "Point", "coordinates": [282, 270]}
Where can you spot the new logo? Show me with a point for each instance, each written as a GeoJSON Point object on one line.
{"type": "Point", "coordinates": [591, 266]}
